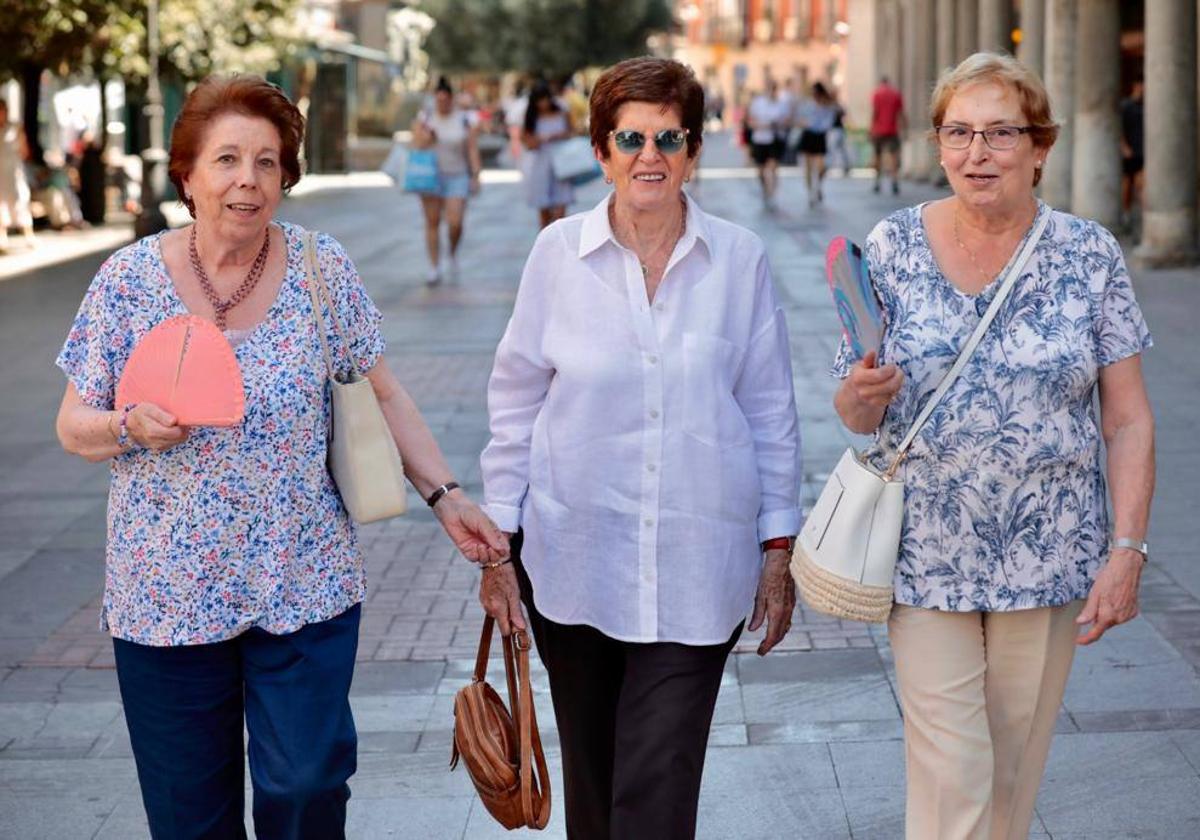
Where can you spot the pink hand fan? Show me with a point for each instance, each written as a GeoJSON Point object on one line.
{"type": "Point", "coordinates": [187, 367]}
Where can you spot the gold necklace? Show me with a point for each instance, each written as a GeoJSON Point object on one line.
{"type": "Point", "coordinates": [612, 223]}
{"type": "Point", "coordinates": [987, 278]}
{"type": "Point", "coordinates": [970, 255]}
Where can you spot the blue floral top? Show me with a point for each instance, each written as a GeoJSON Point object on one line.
{"type": "Point", "coordinates": [1004, 492]}
{"type": "Point", "coordinates": [238, 527]}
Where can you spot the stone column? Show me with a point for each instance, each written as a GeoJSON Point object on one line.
{"type": "Point", "coordinates": [966, 39]}
{"type": "Point", "coordinates": [1032, 49]}
{"type": "Point", "coordinates": [1060, 84]}
{"type": "Point", "coordinates": [924, 74]}
{"type": "Point", "coordinates": [995, 25]}
{"type": "Point", "coordinates": [946, 35]}
{"type": "Point", "coordinates": [1096, 165]}
{"type": "Point", "coordinates": [1169, 212]}
{"type": "Point", "coordinates": [906, 9]}
{"type": "Point", "coordinates": [889, 36]}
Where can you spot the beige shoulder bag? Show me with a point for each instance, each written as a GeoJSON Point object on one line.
{"type": "Point", "coordinates": [363, 458]}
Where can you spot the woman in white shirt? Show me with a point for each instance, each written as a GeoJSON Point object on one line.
{"type": "Point", "coordinates": [645, 441]}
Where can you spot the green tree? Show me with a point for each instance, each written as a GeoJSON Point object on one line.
{"type": "Point", "coordinates": [107, 38]}
{"type": "Point", "coordinates": [556, 37]}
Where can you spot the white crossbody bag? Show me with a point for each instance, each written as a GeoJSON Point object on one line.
{"type": "Point", "coordinates": [845, 555]}
{"type": "Point", "coordinates": [363, 458]}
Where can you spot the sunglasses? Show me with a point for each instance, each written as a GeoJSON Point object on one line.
{"type": "Point", "coordinates": [668, 141]}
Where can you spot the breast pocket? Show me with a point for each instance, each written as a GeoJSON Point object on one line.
{"type": "Point", "coordinates": [710, 368]}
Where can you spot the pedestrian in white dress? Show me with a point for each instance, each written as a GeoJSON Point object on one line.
{"type": "Point", "coordinates": [14, 189]}
{"type": "Point", "coordinates": [546, 123]}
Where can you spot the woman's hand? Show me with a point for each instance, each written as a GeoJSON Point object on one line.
{"type": "Point", "coordinates": [874, 386]}
{"type": "Point", "coordinates": [776, 599]}
{"type": "Point", "coordinates": [500, 595]}
{"type": "Point", "coordinates": [1114, 596]}
{"type": "Point", "coordinates": [473, 186]}
{"type": "Point", "coordinates": [154, 428]}
{"type": "Point", "coordinates": [476, 536]}
{"type": "Point", "coordinates": [866, 393]}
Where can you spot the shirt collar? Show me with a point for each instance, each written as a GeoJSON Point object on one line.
{"type": "Point", "coordinates": [596, 230]}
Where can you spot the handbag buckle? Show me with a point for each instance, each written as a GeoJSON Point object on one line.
{"type": "Point", "coordinates": [520, 640]}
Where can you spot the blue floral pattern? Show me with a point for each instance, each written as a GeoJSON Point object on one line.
{"type": "Point", "coordinates": [236, 527]}
{"type": "Point", "coordinates": [1004, 492]}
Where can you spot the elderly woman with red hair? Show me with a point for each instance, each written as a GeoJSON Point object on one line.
{"type": "Point", "coordinates": [234, 578]}
{"type": "Point", "coordinates": [645, 441]}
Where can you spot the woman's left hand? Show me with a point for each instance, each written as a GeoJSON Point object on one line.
{"type": "Point", "coordinates": [1114, 596]}
{"type": "Point", "coordinates": [476, 536]}
{"type": "Point", "coordinates": [776, 599]}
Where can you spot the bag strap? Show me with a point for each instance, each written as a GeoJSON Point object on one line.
{"type": "Point", "coordinates": [531, 745]}
{"type": "Point", "coordinates": [319, 290]}
{"type": "Point", "coordinates": [1006, 286]}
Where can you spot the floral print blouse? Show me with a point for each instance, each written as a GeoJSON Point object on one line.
{"type": "Point", "coordinates": [238, 527]}
{"type": "Point", "coordinates": [1005, 498]}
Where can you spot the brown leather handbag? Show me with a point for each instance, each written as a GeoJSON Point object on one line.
{"type": "Point", "coordinates": [498, 748]}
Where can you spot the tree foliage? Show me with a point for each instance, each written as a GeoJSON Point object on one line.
{"type": "Point", "coordinates": [556, 37]}
{"type": "Point", "coordinates": [196, 37]}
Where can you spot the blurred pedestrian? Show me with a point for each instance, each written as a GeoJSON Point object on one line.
{"type": "Point", "coordinates": [837, 155]}
{"type": "Point", "coordinates": [546, 124]}
{"type": "Point", "coordinates": [454, 135]}
{"type": "Point", "coordinates": [514, 121]}
{"type": "Point", "coordinates": [1007, 549]}
{"type": "Point", "coordinates": [767, 126]}
{"type": "Point", "coordinates": [817, 116]}
{"type": "Point", "coordinates": [645, 441]}
{"type": "Point", "coordinates": [234, 578]}
{"type": "Point", "coordinates": [1133, 152]}
{"type": "Point", "coordinates": [14, 186]}
{"type": "Point", "coordinates": [887, 124]}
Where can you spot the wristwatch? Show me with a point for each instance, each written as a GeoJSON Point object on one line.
{"type": "Point", "coordinates": [1136, 545]}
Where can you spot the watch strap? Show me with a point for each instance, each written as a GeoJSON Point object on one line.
{"type": "Point", "coordinates": [1139, 546]}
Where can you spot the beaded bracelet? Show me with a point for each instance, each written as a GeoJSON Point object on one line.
{"type": "Point", "coordinates": [123, 427]}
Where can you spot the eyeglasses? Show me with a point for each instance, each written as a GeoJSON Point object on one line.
{"type": "Point", "coordinates": [668, 141]}
{"type": "Point", "coordinates": [999, 137]}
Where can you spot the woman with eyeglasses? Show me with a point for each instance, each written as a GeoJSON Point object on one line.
{"type": "Point", "coordinates": [645, 460]}
{"type": "Point", "coordinates": [1008, 556]}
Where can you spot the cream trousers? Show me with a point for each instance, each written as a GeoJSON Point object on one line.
{"type": "Point", "coordinates": [980, 693]}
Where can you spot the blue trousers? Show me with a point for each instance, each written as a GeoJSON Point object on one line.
{"type": "Point", "coordinates": [185, 708]}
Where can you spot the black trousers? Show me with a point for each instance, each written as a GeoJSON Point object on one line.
{"type": "Point", "coordinates": [633, 722]}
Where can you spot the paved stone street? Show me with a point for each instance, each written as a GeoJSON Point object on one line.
{"type": "Point", "coordinates": [806, 743]}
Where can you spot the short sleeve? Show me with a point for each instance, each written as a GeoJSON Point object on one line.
{"type": "Point", "coordinates": [1117, 323]}
{"type": "Point", "coordinates": [359, 316]}
{"type": "Point", "coordinates": [843, 360]}
{"type": "Point", "coordinates": [90, 356]}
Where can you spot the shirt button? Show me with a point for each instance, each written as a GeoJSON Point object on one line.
{"type": "Point", "coordinates": [659, 307]}
{"type": "Point", "coordinates": [649, 522]}
{"type": "Point", "coordinates": [651, 467]}
{"type": "Point", "coordinates": [652, 359]}
{"type": "Point", "coordinates": [653, 414]}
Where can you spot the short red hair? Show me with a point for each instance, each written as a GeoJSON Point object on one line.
{"type": "Point", "coordinates": [659, 81]}
{"type": "Point", "coordinates": [251, 96]}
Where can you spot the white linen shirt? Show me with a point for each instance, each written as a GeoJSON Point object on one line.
{"type": "Point", "coordinates": [646, 449]}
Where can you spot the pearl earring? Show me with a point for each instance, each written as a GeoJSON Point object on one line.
{"type": "Point", "coordinates": [607, 179]}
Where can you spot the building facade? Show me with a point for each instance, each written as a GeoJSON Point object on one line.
{"type": "Point", "coordinates": [736, 46]}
